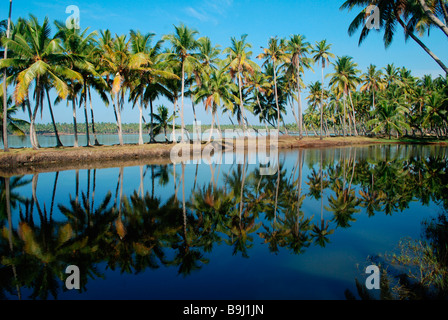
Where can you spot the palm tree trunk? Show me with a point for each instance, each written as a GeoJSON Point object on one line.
{"type": "Point", "coordinates": [140, 122]}
{"type": "Point", "coordinates": [198, 138]}
{"type": "Point", "coordinates": [211, 129]}
{"type": "Point", "coordinates": [5, 88]}
{"type": "Point", "coordinates": [120, 131]}
{"type": "Point", "coordinates": [354, 116]}
{"type": "Point", "coordinates": [75, 126]}
{"type": "Point", "coordinates": [182, 104]}
{"type": "Point", "coordinates": [262, 112]}
{"type": "Point", "coordinates": [299, 103]}
{"type": "Point", "coordinates": [322, 106]}
{"type": "Point", "coordinates": [88, 144]}
{"type": "Point", "coordinates": [174, 121]}
{"type": "Point", "coordinates": [33, 135]}
{"type": "Point", "coordinates": [93, 119]}
{"type": "Point", "coordinates": [241, 104]}
{"type": "Point", "coordinates": [433, 18]}
{"type": "Point", "coordinates": [151, 132]}
{"type": "Point", "coordinates": [276, 99]}
{"type": "Point", "coordinates": [421, 44]}
{"type": "Point", "coordinates": [58, 141]}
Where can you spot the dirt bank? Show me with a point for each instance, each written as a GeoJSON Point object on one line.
{"type": "Point", "coordinates": [28, 161]}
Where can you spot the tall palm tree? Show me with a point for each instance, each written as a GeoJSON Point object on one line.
{"type": "Point", "coordinates": [372, 81]}
{"type": "Point", "coordinates": [322, 54]}
{"type": "Point", "coordinates": [275, 53]}
{"type": "Point", "coordinates": [298, 47]}
{"type": "Point", "coordinates": [345, 79]}
{"type": "Point", "coordinates": [239, 65]}
{"type": "Point", "coordinates": [183, 44]}
{"type": "Point", "coordinates": [79, 47]}
{"type": "Point", "coordinates": [38, 59]}
{"type": "Point", "coordinates": [216, 92]}
{"type": "Point", "coordinates": [5, 86]}
{"type": "Point", "coordinates": [120, 63]}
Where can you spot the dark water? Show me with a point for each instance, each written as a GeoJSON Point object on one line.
{"type": "Point", "coordinates": [200, 231]}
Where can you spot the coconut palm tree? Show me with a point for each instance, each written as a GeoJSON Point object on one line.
{"type": "Point", "coordinates": [38, 59]}
{"type": "Point", "coordinates": [405, 13]}
{"type": "Point", "coordinates": [13, 124]}
{"type": "Point", "coordinates": [322, 55]}
{"type": "Point", "coordinates": [389, 116]}
{"type": "Point", "coordinates": [298, 48]}
{"type": "Point", "coordinates": [183, 44]}
{"type": "Point", "coordinates": [345, 79]}
{"type": "Point", "coordinates": [79, 46]}
{"type": "Point", "coordinates": [162, 120]}
{"type": "Point", "coordinates": [216, 91]}
{"type": "Point", "coordinates": [239, 65]}
{"type": "Point", "coordinates": [275, 53]}
{"type": "Point", "coordinates": [372, 81]}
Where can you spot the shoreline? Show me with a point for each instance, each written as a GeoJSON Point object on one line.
{"type": "Point", "coordinates": [29, 161]}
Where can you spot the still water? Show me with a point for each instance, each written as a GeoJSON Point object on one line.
{"type": "Point", "coordinates": [211, 231]}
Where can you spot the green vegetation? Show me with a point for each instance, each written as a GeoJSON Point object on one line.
{"type": "Point", "coordinates": [226, 82]}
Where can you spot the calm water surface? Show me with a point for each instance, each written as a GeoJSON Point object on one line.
{"type": "Point", "coordinates": [200, 231]}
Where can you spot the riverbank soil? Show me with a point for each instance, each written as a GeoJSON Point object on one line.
{"type": "Point", "coordinates": [28, 161]}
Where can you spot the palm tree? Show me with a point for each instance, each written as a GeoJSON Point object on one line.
{"type": "Point", "coordinates": [5, 86]}
{"type": "Point", "coordinates": [239, 64]}
{"type": "Point", "coordinates": [183, 43]}
{"type": "Point", "coordinates": [148, 82]}
{"type": "Point", "coordinates": [79, 47]}
{"type": "Point", "coordinates": [373, 81]}
{"type": "Point", "coordinates": [275, 53]}
{"type": "Point", "coordinates": [299, 48]}
{"type": "Point", "coordinates": [41, 61]}
{"type": "Point", "coordinates": [404, 12]}
{"type": "Point", "coordinates": [389, 116]}
{"type": "Point", "coordinates": [345, 80]}
{"type": "Point", "coordinates": [322, 54]}
{"type": "Point", "coordinates": [13, 124]}
{"type": "Point", "coordinates": [259, 86]}
{"type": "Point", "coordinates": [163, 120]}
{"type": "Point", "coordinates": [216, 92]}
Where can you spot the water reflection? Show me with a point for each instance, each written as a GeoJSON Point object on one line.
{"type": "Point", "coordinates": [172, 216]}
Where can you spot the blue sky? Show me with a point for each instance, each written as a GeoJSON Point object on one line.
{"type": "Point", "coordinates": [222, 19]}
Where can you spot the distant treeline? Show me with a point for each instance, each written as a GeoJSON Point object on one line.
{"type": "Point", "coordinates": [111, 128]}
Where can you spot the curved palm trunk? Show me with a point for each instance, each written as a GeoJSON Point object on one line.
{"type": "Point", "coordinates": [58, 141]}
{"type": "Point", "coordinates": [421, 44]}
{"type": "Point", "coordinates": [33, 135]}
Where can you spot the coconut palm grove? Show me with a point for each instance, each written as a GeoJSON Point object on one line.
{"type": "Point", "coordinates": [362, 182]}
